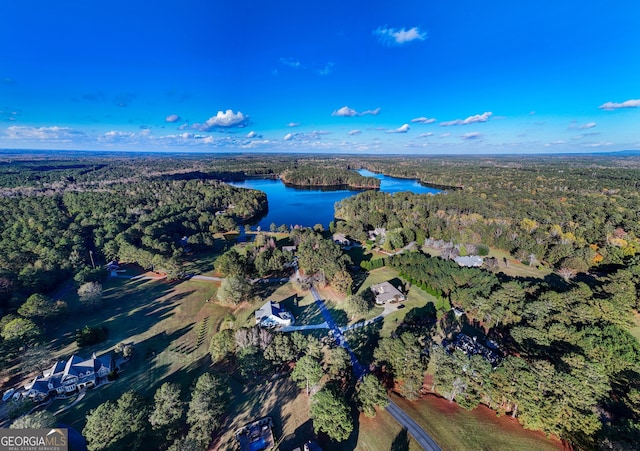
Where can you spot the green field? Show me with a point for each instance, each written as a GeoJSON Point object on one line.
{"type": "Point", "coordinates": [454, 428]}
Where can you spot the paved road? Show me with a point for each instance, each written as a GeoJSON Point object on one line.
{"type": "Point", "coordinates": [209, 278]}
{"type": "Point", "coordinates": [399, 251]}
{"type": "Point", "coordinates": [412, 427]}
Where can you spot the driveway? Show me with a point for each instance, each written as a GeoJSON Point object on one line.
{"type": "Point", "coordinates": [419, 434]}
{"type": "Point", "coordinates": [358, 369]}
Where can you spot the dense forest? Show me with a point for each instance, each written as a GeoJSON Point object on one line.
{"type": "Point", "coordinates": [566, 217]}
{"type": "Point", "coordinates": [51, 230]}
{"type": "Point", "coordinates": [312, 176]}
{"type": "Point", "coordinates": [568, 364]}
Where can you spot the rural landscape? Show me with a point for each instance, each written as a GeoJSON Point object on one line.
{"type": "Point", "coordinates": [500, 312]}
{"type": "Point", "coordinates": [319, 226]}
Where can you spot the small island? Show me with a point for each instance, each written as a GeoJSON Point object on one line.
{"type": "Point", "coordinates": [315, 176]}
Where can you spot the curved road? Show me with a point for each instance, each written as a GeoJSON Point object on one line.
{"type": "Point", "coordinates": [419, 434]}
{"type": "Point", "coordinates": [396, 412]}
{"type": "Point", "coordinates": [412, 427]}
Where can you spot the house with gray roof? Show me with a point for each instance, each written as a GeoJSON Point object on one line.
{"type": "Point", "coordinates": [67, 377]}
{"type": "Point", "coordinates": [271, 314]}
{"type": "Point", "coordinates": [471, 261]}
{"type": "Point", "coordinates": [385, 292]}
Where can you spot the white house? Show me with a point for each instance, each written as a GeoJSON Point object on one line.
{"type": "Point", "coordinates": [272, 315]}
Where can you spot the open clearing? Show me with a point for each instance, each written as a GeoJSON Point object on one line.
{"type": "Point", "coordinates": [170, 326]}
{"type": "Point", "coordinates": [454, 428]}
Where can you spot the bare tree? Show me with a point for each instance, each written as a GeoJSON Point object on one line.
{"type": "Point", "coordinates": [567, 273]}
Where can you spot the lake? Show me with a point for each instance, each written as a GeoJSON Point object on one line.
{"type": "Point", "coordinates": [310, 206]}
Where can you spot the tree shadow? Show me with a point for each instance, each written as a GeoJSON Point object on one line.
{"type": "Point", "coordinates": [265, 290]}
{"type": "Point", "coordinates": [364, 340]}
{"type": "Point", "coordinates": [339, 316]}
{"type": "Point", "coordinates": [400, 442]}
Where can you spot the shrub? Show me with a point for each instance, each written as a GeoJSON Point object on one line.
{"type": "Point", "coordinates": [91, 335]}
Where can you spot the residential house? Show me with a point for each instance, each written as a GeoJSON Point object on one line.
{"type": "Point", "coordinates": [341, 239]}
{"type": "Point", "coordinates": [291, 249]}
{"type": "Point", "coordinates": [470, 346]}
{"type": "Point", "coordinates": [67, 377]}
{"type": "Point", "coordinates": [378, 231]}
{"type": "Point", "coordinates": [272, 315]}
{"type": "Point", "coordinates": [256, 436]}
{"type": "Point", "coordinates": [385, 292]}
{"type": "Point", "coordinates": [471, 261]}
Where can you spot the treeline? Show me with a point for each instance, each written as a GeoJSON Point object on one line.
{"type": "Point", "coordinates": [319, 176]}
{"type": "Point", "coordinates": [444, 277]}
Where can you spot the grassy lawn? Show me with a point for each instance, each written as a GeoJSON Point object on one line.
{"type": "Point", "coordinates": [514, 268]}
{"type": "Point", "coordinates": [517, 269]}
{"type": "Point", "coordinates": [288, 406]}
{"type": "Point", "coordinates": [170, 326]}
{"type": "Point", "coordinates": [416, 299]}
{"type": "Point", "coordinates": [282, 400]}
{"type": "Point", "coordinates": [635, 330]}
{"type": "Point", "coordinates": [454, 428]}
{"type": "Point", "coordinates": [364, 253]}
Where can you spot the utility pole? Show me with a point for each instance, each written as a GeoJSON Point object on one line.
{"type": "Point", "coordinates": [92, 262]}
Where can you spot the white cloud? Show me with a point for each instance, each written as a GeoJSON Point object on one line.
{"type": "Point", "coordinates": [371, 112]}
{"type": "Point", "coordinates": [289, 136]}
{"type": "Point", "coordinates": [252, 134]}
{"type": "Point", "coordinates": [54, 133]}
{"type": "Point", "coordinates": [345, 111]}
{"type": "Point", "coordinates": [476, 118]}
{"type": "Point", "coordinates": [293, 124]}
{"type": "Point", "coordinates": [586, 126]}
{"type": "Point", "coordinates": [559, 142]}
{"type": "Point", "coordinates": [445, 135]}
{"type": "Point", "coordinates": [425, 135]}
{"type": "Point", "coordinates": [423, 120]}
{"type": "Point", "coordinates": [291, 62]}
{"type": "Point", "coordinates": [402, 129]}
{"type": "Point", "coordinates": [172, 118]}
{"type": "Point", "coordinates": [631, 103]}
{"type": "Point", "coordinates": [393, 36]}
{"type": "Point", "coordinates": [598, 144]}
{"type": "Point", "coordinates": [226, 119]}
{"type": "Point", "coordinates": [327, 69]}
{"type": "Point", "coordinates": [117, 136]}
{"type": "Point", "coordinates": [471, 135]}
{"type": "Point", "coordinates": [354, 132]}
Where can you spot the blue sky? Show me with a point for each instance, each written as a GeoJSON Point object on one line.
{"type": "Point", "coordinates": [426, 77]}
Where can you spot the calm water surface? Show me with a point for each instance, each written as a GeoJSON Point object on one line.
{"type": "Point", "coordinates": [308, 207]}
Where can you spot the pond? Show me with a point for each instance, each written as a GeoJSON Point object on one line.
{"type": "Point", "coordinates": [310, 206]}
